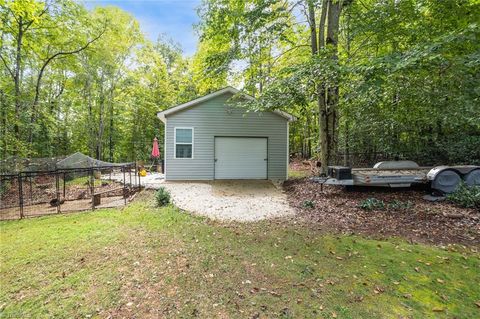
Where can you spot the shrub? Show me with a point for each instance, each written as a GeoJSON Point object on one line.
{"type": "Point", "coordinates": [372, 204]}
{"type": "Point", "coordinates": [162, 197]}
{"type": "Point", "coordinates": [398, 204]}
{"type": "Point", "coordinates": [466, 196]}
{"type": "Point", "coordinates": [309, 204]}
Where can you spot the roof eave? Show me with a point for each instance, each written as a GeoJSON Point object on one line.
{"type": "Point", "coordinates": [286, 115]}
{"type": "Point", "coordinates": [161, 117]}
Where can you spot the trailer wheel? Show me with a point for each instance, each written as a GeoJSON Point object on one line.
{"type": "Point", "coordinates": [472, 178]}
{"type": "Point", "coordinates": [446, 181]}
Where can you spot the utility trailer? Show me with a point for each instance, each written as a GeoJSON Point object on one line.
{"type": "Point", "coordinates": [444, 179]}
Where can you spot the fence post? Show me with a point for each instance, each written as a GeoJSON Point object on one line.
{"type": "Point", "coordinates": [137, 172]}
{"type": "Point", "coordinates": [137, 178]}
{"type": "Point", "coordinates": [64, 193]}
{"type": "Point", "coordinates": [20, 194]}
{"type": "Point", "coordinates": [124, 187]}
{"type": "Point", "coordinates": [130, 175]}
{"type": "Point", "coordinates": [57, 188]}
{"type": "Point", "coordinates": [31, 188]}
{"type": "Point", "coordinates": [92, 188]}
{"type": "Point", "coordinates": [135, 175]}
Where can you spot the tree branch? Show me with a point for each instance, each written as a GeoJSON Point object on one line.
{"type": "Point", "coordinates": [61, 53]}
{"type": "Point", "coordinates": [42, 70]}
{"type": "Point", "coordinates": [29, 24]}
{"type": "Point", "coordinates": [6, 66]}
{"type": "Point", "coordinates": [291, 49]}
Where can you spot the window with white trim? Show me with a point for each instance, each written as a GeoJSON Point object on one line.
{"type": "Point", "coordinates": [184, 142]}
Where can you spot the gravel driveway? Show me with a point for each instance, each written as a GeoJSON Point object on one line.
{"type": "Point", "coordinates": [248, 200]}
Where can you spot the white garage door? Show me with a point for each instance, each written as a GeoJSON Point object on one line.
{"type": "Point", "coordinates": [240, 158]}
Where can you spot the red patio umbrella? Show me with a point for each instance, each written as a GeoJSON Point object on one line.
{"type": "Point", "coordinates": [155, 149]}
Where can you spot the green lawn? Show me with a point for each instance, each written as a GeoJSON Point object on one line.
{"type": "Point", "coordinates": [148, 262]}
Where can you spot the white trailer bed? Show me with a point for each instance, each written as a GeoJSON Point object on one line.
{"type": "Point", "coordinates": [405, 174]}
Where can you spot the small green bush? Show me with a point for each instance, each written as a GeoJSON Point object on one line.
{"type": "Point", "coordinates": [162, 197]}
{"type": "Point", "coordinates": [398, 204]}
{"type": "Point", "coordinates": [309, 204]}
{"type": "Point", "coordinates": [466, 196]}
{"type": "Point", "coordinates": [372, 204]}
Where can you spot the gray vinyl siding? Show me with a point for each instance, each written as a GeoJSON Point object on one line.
{"type": "Point", "coordinates": [213, 118]}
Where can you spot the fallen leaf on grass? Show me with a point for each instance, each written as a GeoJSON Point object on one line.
{"type": "Point", "coordinates": [378, 290]}
{"type": "Point", "coordinates": [438, 309]}
{"type": "Point", "coordinates": [477, 303]}
{"type": "Point", "coordinates": [440, 281]}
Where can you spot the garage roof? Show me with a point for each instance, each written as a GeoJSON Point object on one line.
{"type": "Point", "coordinates": [161, 115]}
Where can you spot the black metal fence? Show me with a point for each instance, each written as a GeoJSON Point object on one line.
{"type": "Point", "coordinates": [37, 193]}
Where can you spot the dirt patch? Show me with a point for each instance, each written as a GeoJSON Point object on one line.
{"type": "Point", "coordinates": [337, 209]}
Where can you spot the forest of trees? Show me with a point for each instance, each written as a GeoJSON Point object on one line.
{"type": "Point", "coordinates": [400, 77]}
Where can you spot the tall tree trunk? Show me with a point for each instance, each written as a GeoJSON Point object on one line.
{"type": "Point", "coordinates": [323, 132]}
{"type": "Point", "coordinates": [111, 128]}
{"type": "Point", "coordinates": [334, 11]}
{"type": "Point", "coordinates": [101, 124]}
{"type": "Point", "coordinates": [90, 123]}
{"type": "Point", "coordinates": [322, 129]}
{"type": "Point", "coordinates": [321, 25]}
{"type": "Point", "coordinates": [313, 27]}
{"type": "Point", "coordinates": [16, 77]}
{"type": "Point", "coordinates": [3, 107]}
{"type": "Point", "coordinates": [346, 158]}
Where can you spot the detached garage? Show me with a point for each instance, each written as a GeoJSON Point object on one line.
{"type": "Point", "coordinates": [210, 138]}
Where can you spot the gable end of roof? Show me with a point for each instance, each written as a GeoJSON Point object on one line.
{"type": "Point", "coordinates": [163, 114]}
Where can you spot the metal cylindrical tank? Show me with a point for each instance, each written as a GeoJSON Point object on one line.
{"type": "Point", "coordinates": [472, 178]}
{"type": "Point", "coordinates": [446, 181]}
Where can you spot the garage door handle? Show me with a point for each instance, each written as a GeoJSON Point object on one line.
{"type": "Point", "coordinates": [215, 160]}
{"type": "Point", "coordinates": [265, 159]}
